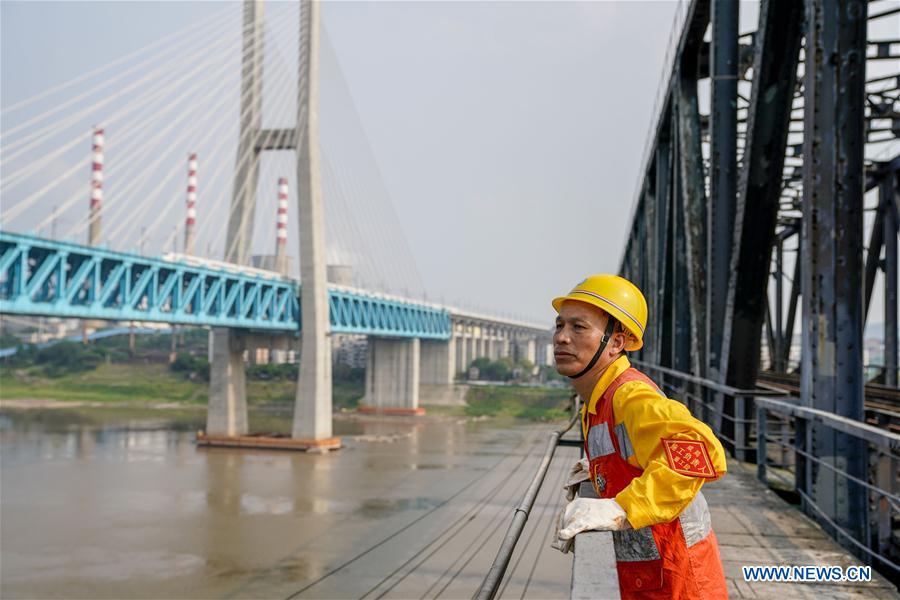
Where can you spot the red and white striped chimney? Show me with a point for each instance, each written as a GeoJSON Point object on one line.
{"type": "Point", "coordinates": [281, 231]}
{"type": "Point", "coordinates": [191, 219]}
{"type": "Point", "coordinates": [96, 188]}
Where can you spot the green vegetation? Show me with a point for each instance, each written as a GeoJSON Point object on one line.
{"type": "Point", "coordinates": [60, 359]}
{"type": "Point", "coordinates": [273, 372]}
{"type": "Point", "coordinates": [141, 384]}
{"type": "Point", "coordinates": [548, 373]}
{"type": "Point", "coordinates": [521, 371]}
{"type": "Point", "coordinates": [107, 383]}
{"type": "Point", "coordinates": [192, 367]}
{"type": "Point", "coordinates": [533, 403]}
{"type": "Point", "coordinates": [503, 369]}
{"type": "Point", "coordinates": [107, 372]}
{"type": "Point", "coordinates": [498, 370]}
{"type": "Point", "coordinates": [8, 340]}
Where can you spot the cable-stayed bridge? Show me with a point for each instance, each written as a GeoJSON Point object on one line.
{"type": "Point", "coordinates": [52, 278]}
{"type": "Point", "coordinates": [215, 100]}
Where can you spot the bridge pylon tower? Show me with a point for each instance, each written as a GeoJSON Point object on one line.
{"type": "Point", "coordinates": [228, 405]}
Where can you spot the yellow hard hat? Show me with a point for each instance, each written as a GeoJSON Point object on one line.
{"type": "Point", "coordinates": [618, 297]}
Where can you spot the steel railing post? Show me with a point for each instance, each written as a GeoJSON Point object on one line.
{"type": "Point", "coordinates": [761, 443]}
{"type": "Point", "coordinates": [740, 428]}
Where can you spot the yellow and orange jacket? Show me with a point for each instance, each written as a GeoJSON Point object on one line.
{"type": "Point", "coordinates": [649, 454]}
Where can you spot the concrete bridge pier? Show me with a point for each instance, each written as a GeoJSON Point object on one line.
{"type": "Point", "coordinates": [481, 343]}
{"type": "Point", "coordinates": [227, 408]}
{"type": "Point", "coordinates": [544, 353]}
{"type": "Point", "coordinates": [471, 349]}
{"type": "Point", "coordinates": [226, 414]}
{"type": "Point", "coordinates": [491, 345]}
{"type": "Point", "coordinates": [438, 361]}
{"type": "Point", "coordinates": [462, 357]}
{"type": "Point", "coordinates": [530, 350]}
{"type": "Point", "coordinates": [437, 375]}
{"type": "Point", "coordinates": [392, 376]}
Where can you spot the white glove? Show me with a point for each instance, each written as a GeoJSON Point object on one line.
{"type": "Point", "coordinates": [583, 514]}
{"type": "Point", "coordinates": [579, 472]}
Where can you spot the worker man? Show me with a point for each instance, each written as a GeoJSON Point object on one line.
{"type": "Point", "coordinates": [646, 456]}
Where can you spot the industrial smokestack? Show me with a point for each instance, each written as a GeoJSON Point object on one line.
{"type": "Point", "coordinates": [191, 218]}
{"type": "Point", "coordinates": [96, 188]}
{"type": "Point", "coordinates": [281, 231]}
{"type": "Point", "coordinates": [96, 205]}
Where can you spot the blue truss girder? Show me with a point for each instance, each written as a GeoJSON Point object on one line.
{"type": "Point", "coordinates": [60, 279]}
{"type": "Point", "coordinates": [373, 315]}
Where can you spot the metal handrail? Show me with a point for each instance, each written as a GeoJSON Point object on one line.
{"type": "Point", "coordinates": [707, 383]}
{"type": "Point", "coordinates": [739, 444]}
{"type": "Point", "coordinates": [494, 576]}
{"type": "Point", "coordinates": [869, 433]}
{"type": "Point", "coordinates": [884, 442]}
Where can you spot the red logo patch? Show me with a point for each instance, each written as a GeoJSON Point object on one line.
{"type": "Point", "coordinates": [689, 457]}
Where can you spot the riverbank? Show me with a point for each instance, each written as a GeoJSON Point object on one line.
{"type": "Point", "coordinates": [153, 386]}
{"type": "Point", "coordinates": [145, 385]}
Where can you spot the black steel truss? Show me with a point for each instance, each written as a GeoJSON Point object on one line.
{"type": "Point", "coordinates": [733, 251]}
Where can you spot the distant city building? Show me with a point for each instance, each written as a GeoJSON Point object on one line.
{"type": "Point", "coordinates": [350, 350]}
{"type": "Point", "coordinates": [340, 274]}
{"type": "Point", "coordinates": [267, 262]}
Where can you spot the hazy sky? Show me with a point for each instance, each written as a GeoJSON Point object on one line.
{"type": "Point", "coordinates": [508, 135]}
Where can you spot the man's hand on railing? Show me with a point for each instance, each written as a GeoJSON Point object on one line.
{"type": "Point", "coordinates": [579, 472]}
{"type": "Point", "coordinates": [583, 514]}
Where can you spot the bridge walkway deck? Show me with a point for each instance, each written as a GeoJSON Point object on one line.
{"type": "Point", "coordinates": [755, 526]}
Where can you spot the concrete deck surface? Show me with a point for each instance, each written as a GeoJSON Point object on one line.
{"type": "Point", "coordinates": [757, 527]}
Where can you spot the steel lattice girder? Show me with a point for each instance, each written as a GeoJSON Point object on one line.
{"type": "Point", "coordinates": [62, 279]}
{"type": "Point", "coordinates": [352, 313]}
{"type": "Point", "coordinates": [775, 59]}
{"type": "Point", "coordinates": [832, 234]}
{"type": "Point", "coordinates": [721, 251]}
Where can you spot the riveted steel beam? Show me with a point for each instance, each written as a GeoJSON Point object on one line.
{"type": "Point", "coordinates": [692, 176]}
{"type": "Point", "coordinates": [681, 300]}
{"type": "Point", "coordinates": [663, 297]}
{"type": "Point", "coordinates": [888, 191]}
{"type": "Point", "coordinates": [832, 232]}
{"type": "Point", "coordinates": [722, 176]}
{"type": "Point", "coordinates": [775, 59]}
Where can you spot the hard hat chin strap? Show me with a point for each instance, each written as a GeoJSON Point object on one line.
{"type": "Point", "coordinates": [610, 326]}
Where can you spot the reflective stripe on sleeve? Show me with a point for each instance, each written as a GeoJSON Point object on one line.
{"type": "Point", "coordinates": [695, 520]}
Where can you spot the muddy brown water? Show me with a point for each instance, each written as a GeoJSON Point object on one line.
{"type": "Point", "coordinates": [98, 504]}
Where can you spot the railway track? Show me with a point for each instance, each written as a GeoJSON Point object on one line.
{"type": "Point", "coordinates": [882, 402]}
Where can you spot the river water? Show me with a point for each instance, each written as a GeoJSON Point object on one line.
{"type": "Point", "coordinates": [111, 504]}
